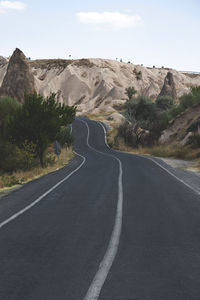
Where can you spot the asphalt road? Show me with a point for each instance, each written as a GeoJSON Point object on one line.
{"type": "Point", "coordinates": [116, 227]}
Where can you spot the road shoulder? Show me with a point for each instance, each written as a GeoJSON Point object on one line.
{"type": "Point", "coordinates": [177, 167]}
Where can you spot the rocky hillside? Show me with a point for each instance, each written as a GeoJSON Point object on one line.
{"type": "Point", "coordinates": [98, 85]}
{"type": "Point", "coordinates": [182, 127]}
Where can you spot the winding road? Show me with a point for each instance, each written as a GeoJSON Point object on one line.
{"type": "Point", "coordinates": [109, 226]}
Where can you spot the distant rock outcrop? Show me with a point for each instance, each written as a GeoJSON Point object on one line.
{"type": "Point", "coordinates": [169, 88]}
{"type": "Point", "coordinates": [18, 79]}
{"type": "Point", "coordinates": [3, 61]}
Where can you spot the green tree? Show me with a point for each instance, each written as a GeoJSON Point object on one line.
{"type": "Point", "coordinates": [38, 122]}
{"type": "Point", "coordinates": [142, 113]}
{"type": "Point", "coordinates": [130, 91]}
{"type": "Point", "coordinates": [8, 108]}
{"type": "Point", "coordinates": [165, 102]}
{"type": "Point", "coordinates": [9, 159]}
{"type": "Point", "coordinates": [141, 110]}
{"type": "Point", "coordinates": [195, 91]}
{"type": "Point", "coordinates": [64, 136]}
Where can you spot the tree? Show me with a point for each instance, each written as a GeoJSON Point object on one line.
{"type": "Point", "coordinates": [165, 102]}
{"type": "Point", "coordinates": [130, 91]}
{"type": "Point", "coordinates": [38, 121]}
{"type": "Point", "coordinates": [64, 136]}
{"type": "Point", "coordinates": [195, 91]}
{"type": "Point", "coordinates": [141, 110]}
{"type": "Point", "coordinates": [143, 114]}
{"type": "Point", "coordinates": [8, 108]}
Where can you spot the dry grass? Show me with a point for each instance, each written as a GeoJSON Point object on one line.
{"type": "Point", "coordinates": [20, 177]}
{"type": "Point", "coordinates": [98, 117]}
{"type": "Point", "coordinates": [176, 152]}
{"type": "Point", "coordinates": [198, 164]}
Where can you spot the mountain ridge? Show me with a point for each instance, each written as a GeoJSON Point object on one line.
{"type": "Point", "coordinates": [98, 85]}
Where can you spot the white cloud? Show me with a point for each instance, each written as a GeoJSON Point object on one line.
{"type": "Point", "coordinates": [115, 20]}
{"type": "Point", "coordinates": [128, 10]}
{"type": "Point", "coordinates": [6, 6]}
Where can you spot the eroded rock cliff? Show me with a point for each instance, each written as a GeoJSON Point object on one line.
{"type": "Point", "coordinates": [18, 78]}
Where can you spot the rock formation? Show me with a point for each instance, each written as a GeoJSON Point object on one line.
{"type": "Point", "coordinates": [182, 127]}
{"type": "Point", "coordinates": [169, 88]}
{"type": "Point", "coordinates": [18, 79]}
{"type": "Point", "coordinates": [93, 85]}
{"type": "Point", "coordinates": [3, 61]}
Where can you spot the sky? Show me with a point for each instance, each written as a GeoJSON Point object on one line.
{"type": "Point", "coordinates": [148, 32]}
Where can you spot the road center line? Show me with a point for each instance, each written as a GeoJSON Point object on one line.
{"type": "Point", "coordinates": [108, 259]}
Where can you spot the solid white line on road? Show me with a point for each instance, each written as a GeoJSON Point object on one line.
{"type": "Point", "coordinates": [105, 134]}
{"type": "Point", "coordinates": [108, 259]}
{"type": "Point", "coordinates": [157, 163]}
{"type": "Point", "coordinates": [43, 195]}
{"type": "Point", "coordinates": [177, 178]}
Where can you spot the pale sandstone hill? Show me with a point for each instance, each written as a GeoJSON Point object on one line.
{"type": "Point", "coordinates": [98, 85]}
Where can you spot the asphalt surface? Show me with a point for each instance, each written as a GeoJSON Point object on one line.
{"type": "Point", "coordinates": [53, 250]}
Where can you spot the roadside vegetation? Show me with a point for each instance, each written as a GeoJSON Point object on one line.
{"type": "Point", "coordinates": [31, 134]}
{"type": "Point", "coordinates": [145, 121]}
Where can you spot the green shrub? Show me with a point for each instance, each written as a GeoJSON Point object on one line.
{"type": "Point", "coordinates": [141, 109]}
{"type": "Point", "coordinates": [8, 107]}
{"type": "Point", "coordinates": [126, 132]}
{"type": "Point", "coordinates": [195, 90]}
{"type": "Point", "coordinates": [38, 122]}
{"type": "Point", "coordinates": [186, 101]}
{"type": "Point", "coordinates": [130, 92]}
{"type": "Point", "coordinates": [164, 102]}
{"type": "Point", "coordinates": [14, 158]}
{"type": "Point", "coordinates": [144, 114]}
{"type": "Point", "coordinates": [64, 136]}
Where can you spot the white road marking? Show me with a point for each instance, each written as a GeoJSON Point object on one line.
{"type": "Point", "coordinates": [2, 224]}
{"type": "Point", "coordinates": [105, 265]}
{"type": "Point", "coordinates": [105, 135]}
{"type": "Point", "coordinates": [108, 259]}
{"type": "Point", "coordinates": [173, 175]}
{"type": "Point", "coordinates": [157, 163]}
